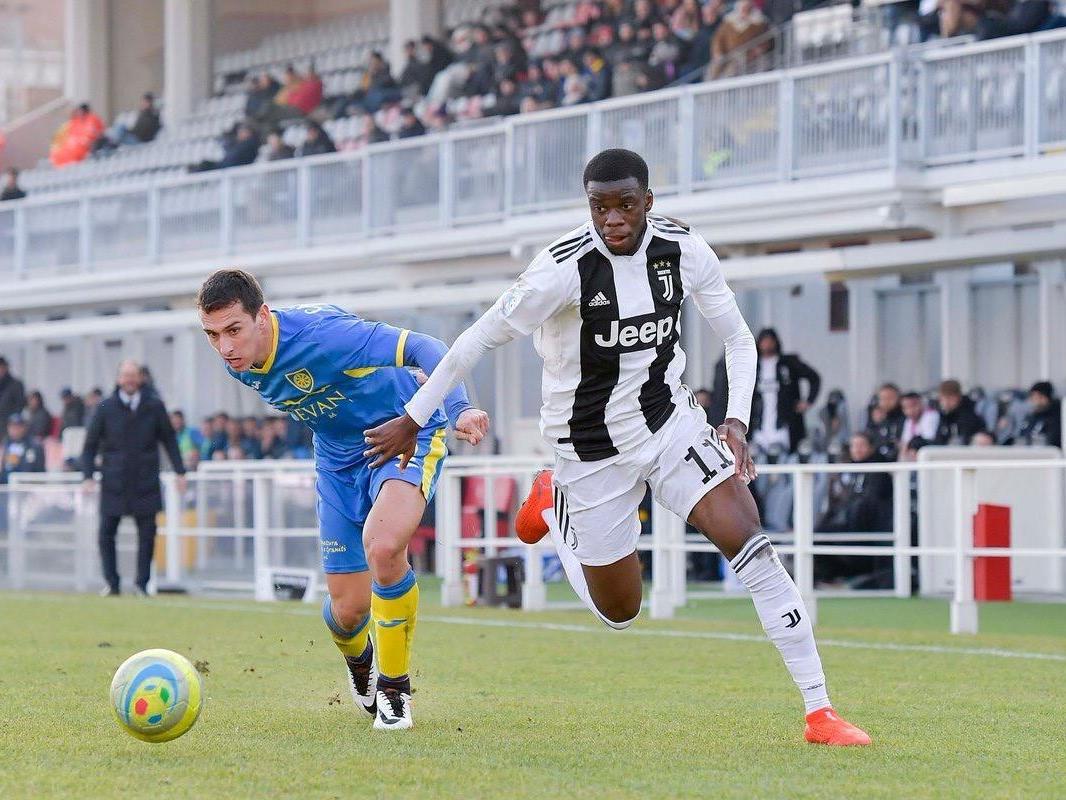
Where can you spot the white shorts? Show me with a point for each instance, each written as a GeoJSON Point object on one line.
{"type": "Point", "coordinates": [596, 502]}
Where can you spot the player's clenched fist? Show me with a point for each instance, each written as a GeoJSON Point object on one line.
{"type": "Point", "coordinates": [472, 426]}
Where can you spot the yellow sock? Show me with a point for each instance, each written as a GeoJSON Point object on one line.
{"type": "Point", "coordinates": [349, 642]}
{"type": "Point", "coordinates": [394, 609]}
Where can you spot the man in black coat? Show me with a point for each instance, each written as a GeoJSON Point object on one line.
{"type": "Point", "coordinates": [1043, 424]}
{"type": "Point", "coordinates": [12, 392]}
{"type": "Point", "coordinates": [777, 405]}
{"type": "Point", "coordinates": [126, 430]}
{"type": "Point", "coordinates": [958, 420]}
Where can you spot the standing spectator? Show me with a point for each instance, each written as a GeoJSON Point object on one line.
{"type": "Point", "coordinates": [778, 405]}
{"type": "Point", "coordinates": [919, 425]}
{"type": "Point", "coordinates": [73, 414]}
{"type": "Point", "coordinates": [12, 392]}
{"type": "Point", "coordinates": [276, 149]}
{"type": "Point", "coordinates": [316, 143]}
{"type": "Point", "coordinates": [189, 439]}
{"type": "Point", "coordinates": [739, 27]}
{"type": "Point", "coordinates": [885, 424]}
{"type": "Point", "coordinates": [1043, 424]}
{"type": "Point", "coordinates": [127, 430]}
{"type": "Point", "coordinates": [20, 453]}
{"type": "Point", "coordinates": [38, 421]}
{"type": "Point", "coordinates": [958, 421]}
{"type": "Point", "coordinates": [12, 190]}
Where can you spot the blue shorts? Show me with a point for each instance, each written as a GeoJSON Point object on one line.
{"type": "Point", "coordinates": [345, 498]}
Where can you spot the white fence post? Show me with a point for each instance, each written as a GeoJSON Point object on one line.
{"type": "Point", "coordinates": [901, 527]}
{"type": "Point", "coordinates": [16, 539]}
{"type": "Point", "coordinates": [534, 592]}
{"type": "Point", "coordinates": [662, 573]}
{"type": "Point", "coordinates": [449, 532]}
{"type": "Point", "coordinates": [963, 607]}
{"type": "Point", "coordinates": [260, 525]}
{"type": "Point", "coordinates": [803, 540]}
{"type": "Point", "coordinates": [172, 509]}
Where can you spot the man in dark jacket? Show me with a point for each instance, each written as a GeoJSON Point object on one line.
{"type": "Point", "coordinates": [1043, 424]}
{"type": "Point", "coordinates": [885, 423]}
{"type": "Point", "coordinates": [958, 421]}
{"type": "Point", "coordinates": [127, 430]}
{"type": "Point", "coordinates": [18, 451]}
{"type": "Point", "coordinates": [777, 405]}
{"type": "Point", "coordinates": [12, 392]}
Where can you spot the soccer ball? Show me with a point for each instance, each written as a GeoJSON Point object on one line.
{"type": "Point", "coordinates": [156, 695]}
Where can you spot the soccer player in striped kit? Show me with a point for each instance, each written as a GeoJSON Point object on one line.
{"type": "Point", "coordinates": [604, 305]}
{"type": "Point", "coordinates": [340, 374]}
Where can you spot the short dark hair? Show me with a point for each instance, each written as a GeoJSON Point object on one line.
{"type": "Point", "coordinates": [912, 396]}
{"type": "Point", "coordinates": [224, 287]}
{"type": "Point", "coordinates": [616, 164]}
{"type": "Point", "coordinates": [889, 385]}
{"type": "Point", "coordinates": [950, 387]}
{"type": "Point", "coordinates": [1043, 387]}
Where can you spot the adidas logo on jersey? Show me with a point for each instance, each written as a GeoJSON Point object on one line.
{"type": "Point", "coordinates": [599, 300]}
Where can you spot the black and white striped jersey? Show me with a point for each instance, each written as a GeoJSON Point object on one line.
{"type": "Point", "coordinates": [608, 330]}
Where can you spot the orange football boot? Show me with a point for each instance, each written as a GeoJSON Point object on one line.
{"type": "Point", "coordinates": [826, 726]}
{"type": "Point", "coordinates": [529, 523]}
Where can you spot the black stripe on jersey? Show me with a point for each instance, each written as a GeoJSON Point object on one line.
{"type": "Point", "coordinates": [563, 245]}
{"type": "Point", "coordinates": [564, 254]}
{"type": "Point", "coordinates": [664, 278]}
{"type": "Point", "coordinates": [670, 222]}
{"type": "Point", "coordinates": [599, 366]}
{"type": "Point", "coordinates": [664, 228]}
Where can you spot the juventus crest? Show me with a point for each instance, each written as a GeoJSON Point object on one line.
{"type": "Point", "coordinates": [664, 272]}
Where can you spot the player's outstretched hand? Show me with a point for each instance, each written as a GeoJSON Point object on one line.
{"type": "Point", "coordinates": [734, 433]}
{"type": "Point", "coordinates": [397, 437]}
{"type": "Point", "coordinates": [472, 425]}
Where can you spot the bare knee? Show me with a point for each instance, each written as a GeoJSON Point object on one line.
{"type": "Point", "coordinates": [384, 555]}
{"type": "Point", "coordinates": [619, 614]}
{"type": "Point", "coordinates": [349, 610]}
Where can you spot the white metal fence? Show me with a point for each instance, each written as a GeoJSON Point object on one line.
{"type": "Point", "coordinates": [916, 107]}
{"type": "Point", "coordinates": [238, 519]}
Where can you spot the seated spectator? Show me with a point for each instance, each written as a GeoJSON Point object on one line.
{"type": "Point", "coordinates": [410, 125]}
{"type": "Point", "coordinates": [858, 502]}
{"type": "Point", "coordinates": [576, 43]}
{"type": "Point", "coordinates": [666, 52]}
{"type": "Point", "coordinates": [260, 95]}
{"type": "Point", "coordinates": [958, 421]}
{"type": "Point", "coordinates": [189, 439]}
{"type": "Point", "coordinates": [597, 75]}
{"type": "Point", "coordinates": [506, 66]}
{"type": "Point", "coordinates": [885, 423]}
{"type": "Point", "coordinates": [1025, 16]}
{"type": "Point", "coordinates": [144, 129]}
{"type": "Point", "coordinates": [538, 88]}
{"type": "Point", "coordinates": [73, 413]}
{"type": "Point", "coordinates": [306, 95]}
{"type": "Point", "coordinates": [779, 12]}
{"type": "Point", "coordinates": [448, 82]}
{"type": "Point", "coordinates": [919, 425]}
{"type": "Point", "coordinates": [316, 143]}
{"type": "Point", "coordinates": [38, 420]}
{"type": "Point", "coordinates": [699, 52]}
{"type": "Point", "coordinates": [75, 137]}
{"type": "Point", "coordinates": [982, 439]}
{"type": "Point", "coordinates": [507, 101]}
{"type": "Point", "coordinates": [276, 149]}
{"type": "Point", "coordinates": [575, 87]}
{"type": "Point", "coordinates": [283, 106]}
{"type": "Point", "coordinates": [237, 150]}
{"type": "Point", "coordinates": [390, 116]}
{"type": "Point", "coordinates": [1043, 424]}
{"type": "Point", "coordinates": [627, 47]}
{"type": "Point", "coordinates": [740, 26]}
{"type": "Point", "coordinates": [270, 443]}
{"type": "Point", "coordinates": [19, 452]}
{"type": "Point", "coordinates": [377, 84]}
{"type": "Point", "coordinates": [11, 191]}
{"type": "Point", "coordinates": [951, 18]}
{"type": "Point", "coordinates": [685, 21]}
{"type": "Point", "coordinates": [644, 14]}
{"type": "Point", "coordinates": [435, 55]}
{"type": "Point", "coordinates": [416, 77]}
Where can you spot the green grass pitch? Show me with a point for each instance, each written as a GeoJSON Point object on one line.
{"type": "Point", "coordinates": [515, 705]}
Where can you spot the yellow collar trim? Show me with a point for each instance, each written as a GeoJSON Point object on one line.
{"type": "Point", "coordinates": [273, 347]}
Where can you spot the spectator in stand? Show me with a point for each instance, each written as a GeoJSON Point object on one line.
{"type": "Point", "coordinates": [919, 425]}
{"type": "Point", "coordinates": [1024, 16]}
{"type": "Point", "coordinates": [666, 53]}
{"type": "Point", "coordinates": [411, 125]}
{"type": "Point", "coordinates": [19, 452]}
{"type": "Point", "coordinates": [958, 421]}
{"type": "Point", "coordinates": [859, 502]}
{"type": "Point", "coordinates": [627, 47]}
{"type": "Point", "coordinates": [12, 190]}
{"type": "Point", "coordinates": [38, 421]}
{"type": "Point", "coordinates": [144, 129]}
{"type": "Point", "coordinates": [685, 21]}
{"type": "Point", "coordinates": [779, 12]}
{"type": "Point", "coordinates": [507, 101]}
{"type": "Point", "coordinates": [92, 401]}
{"type": "Point", "coordinates": [435, 55]}
{"type": "Point", "coordinates": [1043, 424]}
{"type": "Point", "coordinates": [276, 149]}
{"type": "Point", "coordinates": [73, 413]}
{"type": "Point", "coordinates": [250, 434]}
{"type": "Point", "coordinates": [982, 439]}
{"type": "Point", "coordinates": [506, 66]}
{"type": "Point", "coordinates": [778, 405]}
{"type": "Point", "coordinates": [75, 137]}
{"type": "Point", "coordinates": [12, 392]}
{"type": "Point", "coordinates": [537, 88]}
{"type": "Point", "coordinates": [597, 75]}
{"type": "Point", "coordinates": [644, 14]}
{"type": "Point", "coordinates": [885, 424]}
{"type": "Point", "coordinates": [317, 142]}
{"type": "Point", "coordinates": [241, 149]}
{"type": "Point", "coordinates": [260, 95]}
{"type": "Point", "coordinates": [951, 18]}
{"type": "Point", "coordinates": [575, 86]}
{"type": "Point", "coordinates": [306, 95]}
{"type": "Point", "coordinates": [214, 437]}
{"type": "Point", "coordinates": [416, 77]}
{"type": "Point", "coordinates": [372, 134]}
{"type": "Point", "coordinates": [576, 43]}
{"type": "Point", "coordinates": [377, 84]}
{"type": "Point", "coordinates": [699, 52]}
{"type": "Point", "coordinates": [739, 27]}
{"type": "Point", "coordinates": [189, 439]}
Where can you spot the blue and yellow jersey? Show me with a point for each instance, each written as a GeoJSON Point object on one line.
{"type": "Point", "coordinates": [340, 375]}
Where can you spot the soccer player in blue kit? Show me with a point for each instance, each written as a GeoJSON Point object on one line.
{"type": "Point", "coordinates": [341, 375]}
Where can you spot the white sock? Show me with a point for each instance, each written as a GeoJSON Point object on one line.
{"type": "Point", "coordinates": [783, 616]}
{"type": "Point", "coordinates": [574, 573]}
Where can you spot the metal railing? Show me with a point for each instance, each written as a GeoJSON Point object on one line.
{"type": "Point", "coordinates": [915, 107]}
